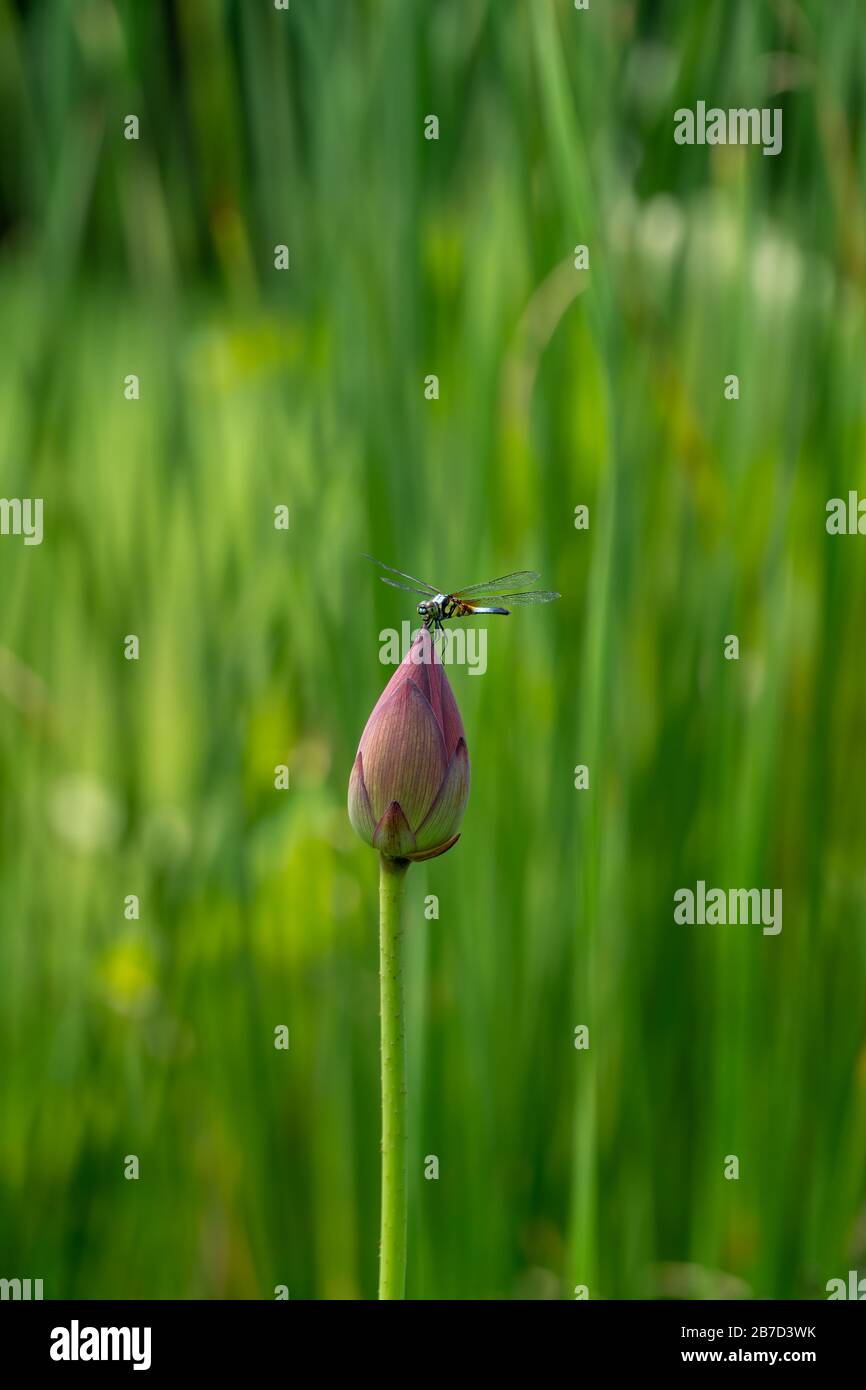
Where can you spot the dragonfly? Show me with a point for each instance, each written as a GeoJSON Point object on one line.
{"type": "Point", "coordinates": [436, 605]}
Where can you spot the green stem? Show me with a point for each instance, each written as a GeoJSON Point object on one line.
{"type": "Point", "coordinates": [392, 1251]}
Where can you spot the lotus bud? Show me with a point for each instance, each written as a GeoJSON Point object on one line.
{"type": "Point", "coordinates": [410, 782]}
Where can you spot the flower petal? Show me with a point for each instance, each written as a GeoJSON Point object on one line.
{"type": "Point", "coordinates": [404, 755]}
{"type": "Point", "coordinates": [446, 813]}
{"type": "Point", "coordinates": [431, 679]}
{"type": "Point", "coordinates": [360, 812]}
{"type": "Point", "coordinates": [392, 836]}
{"type": "Point", "coordinates": [433, 853]}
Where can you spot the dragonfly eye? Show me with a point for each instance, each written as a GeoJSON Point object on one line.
{"type": "Point", "coordinates": [422, 609]}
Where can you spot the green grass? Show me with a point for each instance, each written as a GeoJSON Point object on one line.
{"type": "Point", "coordinates": [258, 647]}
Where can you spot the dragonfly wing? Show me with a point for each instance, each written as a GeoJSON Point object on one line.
{"type": "Point", "coordinates": [494, 587]}
{"type": "Point", "coordinates": [395, 584]}
{"type": "Point", "coordinates": [521, 600]}
{"type": "Point", "coordinates": [421, 586]}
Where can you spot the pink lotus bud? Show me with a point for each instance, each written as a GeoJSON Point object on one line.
{"type": "Point", "coordinates": [410, 782]}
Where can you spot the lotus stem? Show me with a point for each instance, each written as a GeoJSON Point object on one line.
{"type": "Point", "coordinates": [392, 1250]}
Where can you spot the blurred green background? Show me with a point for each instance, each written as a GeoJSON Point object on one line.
{"type": "Point", "coordinates": [259, 647]}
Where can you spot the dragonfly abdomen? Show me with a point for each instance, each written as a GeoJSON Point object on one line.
{"type": "Point", "coordinates": [457, 608]}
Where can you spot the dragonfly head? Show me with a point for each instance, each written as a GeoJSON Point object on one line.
{"type": "Point", "coordinates": [424, 609]}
